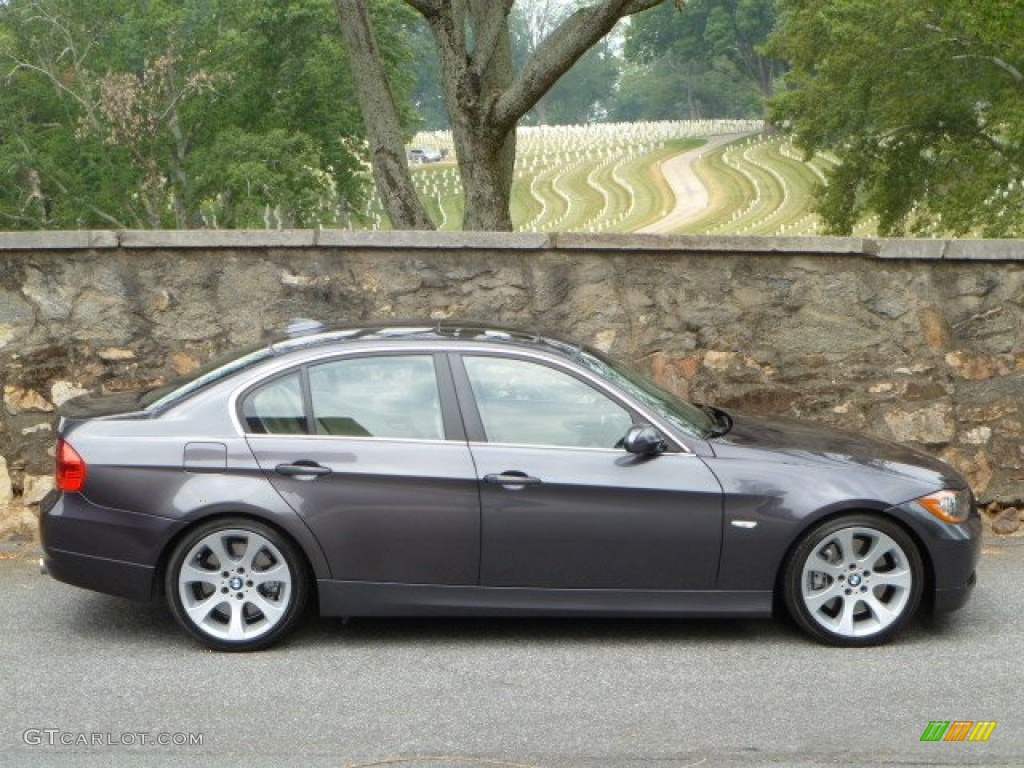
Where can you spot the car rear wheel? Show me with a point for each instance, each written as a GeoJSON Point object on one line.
{"type": "Point", "coordinates": [854, 581]}
{"type": "Point", "coordinates": [236, 584]}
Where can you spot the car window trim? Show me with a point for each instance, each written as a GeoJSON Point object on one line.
{"type": "Point", "coordinates": [307, 400]}
{"type": "Point", "coordinates": [239, 401]}
{"type": "Point", "coordinates": [451, 418]}
{"type": "Point", "coordinates": [451, 415]}
{"type": "Point", "coordinates": [353, 438]}
{"type": "Point", "coordinates": [476, 434]}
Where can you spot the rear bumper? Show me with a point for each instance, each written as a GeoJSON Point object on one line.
{"type": "Point", "coordinates": [107, 550]}
{"type": "Point", "coordinates": [100, 574]}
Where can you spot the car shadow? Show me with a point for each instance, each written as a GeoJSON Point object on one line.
{"type": "Point", "coordinates": [102, 618]}
{"type": "Point", "coordinates": [374, 632]}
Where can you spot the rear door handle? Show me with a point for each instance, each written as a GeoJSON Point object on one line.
{"type": "Point", "coordinates": [511, 478]}
{"type": "Point", "coordinates": [302, 469]}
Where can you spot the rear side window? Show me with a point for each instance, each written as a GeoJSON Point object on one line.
{"type": "Point", "coordinates": [394, 396]}
{"type": "Point", "coordinates": [275, 408]}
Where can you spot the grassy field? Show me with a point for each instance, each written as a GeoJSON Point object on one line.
{"type": "Point", "coordinates": [608, 178]}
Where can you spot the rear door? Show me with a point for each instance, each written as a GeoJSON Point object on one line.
{"type": "Point", "coordinates": [369, 450]}
{"type": "Point", "coordinates": [563, 506]}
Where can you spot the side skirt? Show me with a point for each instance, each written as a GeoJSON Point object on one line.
{"type": "Point", "coordinates": [360, 598]}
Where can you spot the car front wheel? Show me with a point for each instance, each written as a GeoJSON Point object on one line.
{"type": "Point", "coordinates": [236, 584]}
{"type": "Point", "coordinates": [854, 581]}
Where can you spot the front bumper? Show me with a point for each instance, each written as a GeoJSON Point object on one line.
{"type": "Point", "coordinates": [953, 551]}
{"type": "Point", "coordinates": [106, 550]}
{"type": "Point", "coordinates": [948, 600]}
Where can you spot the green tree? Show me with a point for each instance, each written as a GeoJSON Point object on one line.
{"type": "Point", "coordinates": [183, 114]}
{"type": "Point", "coordinates": [666, 89]}
{"type": "Point", "coordinates": [714, 45]}
{"type": "Point", "coordinates": [921, 101]}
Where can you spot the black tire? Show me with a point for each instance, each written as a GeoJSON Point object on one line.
{"type": "Point", "coordinates": [842, 592]}
{"type": "Point", "coordinates": [236, 584]}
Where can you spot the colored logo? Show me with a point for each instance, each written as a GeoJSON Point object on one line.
{"type": "Point", "coordinates": [958, 730]}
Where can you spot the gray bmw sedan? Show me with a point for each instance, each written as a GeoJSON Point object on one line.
{"type": "Point", "coordinates": [451, 470]}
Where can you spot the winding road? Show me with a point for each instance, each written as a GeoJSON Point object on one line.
{"type": "Point", "coordinates": [690, 193]}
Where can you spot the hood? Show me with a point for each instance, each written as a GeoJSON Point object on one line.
{"type": "Point", "coordinates": [796, 442]}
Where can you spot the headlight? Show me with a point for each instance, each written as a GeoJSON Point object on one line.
{"type": "Point", "coordinates": [949, 506]}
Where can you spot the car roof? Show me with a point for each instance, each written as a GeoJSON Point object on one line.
{"type": "Point", "coordinates": [305, 334]}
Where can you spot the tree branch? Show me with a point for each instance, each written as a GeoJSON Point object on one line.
{"type": "Point", "coordinates": [488, 34]}
{"type": "Point", "coordinates": [1012, 71]}
{"type": "Point", "coordinates": [427, 8]}
{"type": "Point", "coordinates": [1015, 73]}
{"type": "Point", "coordinates": [55, 82]}
{"type": "Point", "coordinates": [556, 55]}
{"type": "Point", "coordinates": [64, 190]}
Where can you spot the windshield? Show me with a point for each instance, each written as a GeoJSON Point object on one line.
{"type": "Point", "coordinates": [213, 371]}
{"type": "Point", "coordinates": [685, 416]}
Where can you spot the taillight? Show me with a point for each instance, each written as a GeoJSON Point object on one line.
{"type": "Point", "coordinates": [70, 468]}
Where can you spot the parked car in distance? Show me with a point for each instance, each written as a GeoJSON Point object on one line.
{"type": "Point", "coordinates": [449, 470]}
{"type": "Point", "coordinates": [425, 155]}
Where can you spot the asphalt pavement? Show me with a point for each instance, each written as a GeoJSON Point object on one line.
{"type": "Point", "coordinates": [90, 680]}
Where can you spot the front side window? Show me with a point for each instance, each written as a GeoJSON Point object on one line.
{"type": "Point", "coordinates": [526, 403]}
{"type": "Point", "coordinates": [275, 408]}
{"type": "Point", "coordinates": [682, 415]}
{"type": "Point", "coordinates": [395, 396]}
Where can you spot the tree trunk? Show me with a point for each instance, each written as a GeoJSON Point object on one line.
{"type": "Point", "coordinates": [490, 154]}
{"type": "Point", "coordinates": [486, 99]}
{"type": "Point", "coordinates": [485, 151]}
{"type": "Point", "coordinates": [767, 78]}
{"type": "Point", "coordinates": [486, 178]}
{"type": "Point", "coordinates": [383, 129]}
{"type": "Point", "coordinates": [690, 103]}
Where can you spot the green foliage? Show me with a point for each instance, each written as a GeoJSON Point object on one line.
{"type": "Point", "coordinates": [183, 113]}
{"type": "Point", "coordinates": [921, 101]}
{"type": "Point", "coordinates": [584, 93]}
{"type": "Point", "coordinates": [426, 93]}
{"type": "Point", "coordinates": [666, 90]}
{"type": "Point", "coordinates": [710, 54]}
{"type": "Point", "coordinates": [272, 178]}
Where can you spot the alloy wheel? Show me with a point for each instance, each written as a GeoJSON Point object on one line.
{"type": "Point", "coordinates": [854, 582]}
{"type": "Point", "coordinates": [236, 587]}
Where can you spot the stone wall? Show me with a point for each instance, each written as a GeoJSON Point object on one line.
{"type": "Point", "coordinates": [917, 341]}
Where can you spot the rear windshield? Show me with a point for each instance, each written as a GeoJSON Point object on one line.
{"type": "Point", "coordinates": [215, 370]}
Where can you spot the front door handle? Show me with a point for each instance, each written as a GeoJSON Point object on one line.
{"type": "Point", "coordinates": [302, 469]}
{"type": "Point", "coordinates": [512, 479]}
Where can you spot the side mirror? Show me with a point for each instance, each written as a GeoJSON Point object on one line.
{"type": "Point", "coordinates": [644, 440]}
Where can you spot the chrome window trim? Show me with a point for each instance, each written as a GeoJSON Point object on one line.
{"type": "Point", "coordinates": [534, 447]}
{"type": "Point", "coordinates": [353, 438]}
{"type": "Point", "coordinates": [315, 355]}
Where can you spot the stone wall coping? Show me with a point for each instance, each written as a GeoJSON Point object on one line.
{"type": "Point", "coordinates": [881, 248]}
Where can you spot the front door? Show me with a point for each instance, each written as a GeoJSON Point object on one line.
{"type": "Point", "coordinates": [563, 506]}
